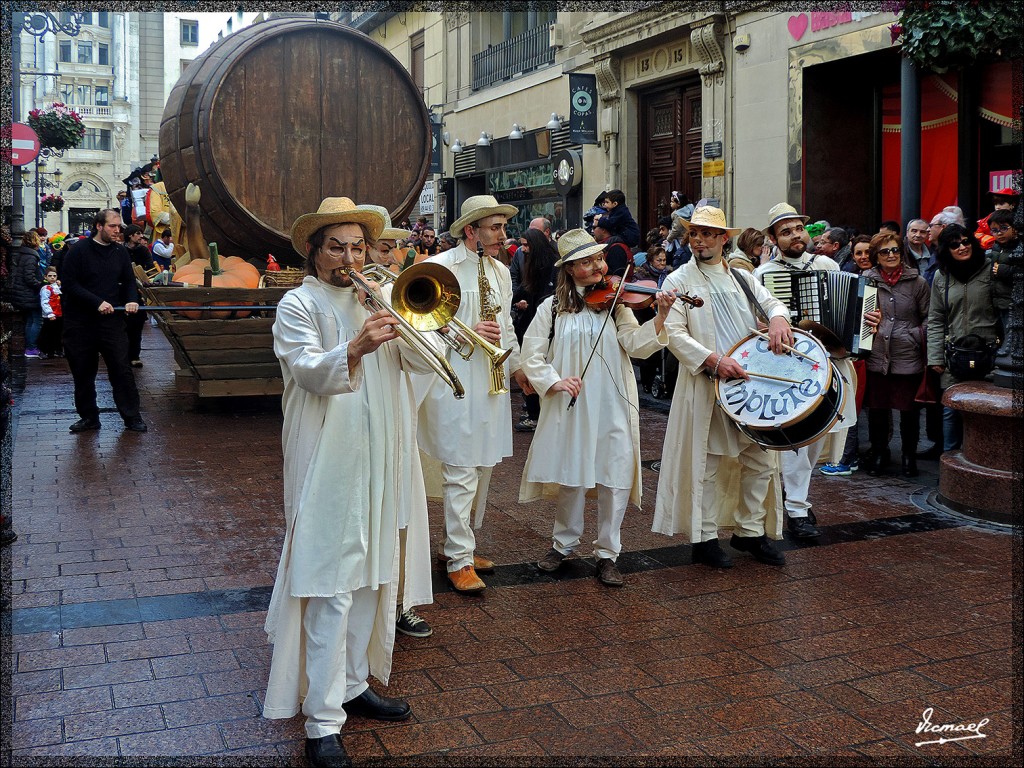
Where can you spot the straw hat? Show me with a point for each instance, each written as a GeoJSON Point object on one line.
{"type": "Point", "coordinates": [335, 210]}
{"type": "Point", "coordinates": [779, 213]}
{"type": "Point", "coordinates": [576, 244]}
{"type": "Point", "coordinates": [389, 232]}
{"type": "Point", "coordinates": [479, 207]}
{"type": "Point", "coordinates": [708, 216]}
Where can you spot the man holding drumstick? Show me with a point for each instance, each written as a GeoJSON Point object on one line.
{"type": "Point", "coordinates": [711, 473]}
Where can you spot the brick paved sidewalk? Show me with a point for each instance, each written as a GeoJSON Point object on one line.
{"type": "Point", "coordinates": [144, 564]}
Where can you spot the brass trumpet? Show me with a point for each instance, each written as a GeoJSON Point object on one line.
{"type": "Point", "coordinates": [422, 300]}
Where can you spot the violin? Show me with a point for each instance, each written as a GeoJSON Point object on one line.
{"type": "Point", "coordinates": [638, 295]}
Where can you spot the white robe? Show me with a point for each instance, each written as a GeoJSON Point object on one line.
{"type": "Point", "coordinates": [691, 338]}
{"type": "Point", "coordinates": [344, 461]}
{"type": "Point", "coordinates": [477, 430]}
{"type": "Point", "coordinates": [597, 442]}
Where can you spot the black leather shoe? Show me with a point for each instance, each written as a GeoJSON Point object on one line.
{"type": "Point", "coordinates": [372, 705]}
{"type": "Point", "coordinates": [760, 547]}
{"type": "Point", "coordinates": [85, 425]}
{"type": "Point", "coordinates": [879, 464]}
{"type": "Point", "coordinates": [909, 468]}
{"type": "Point", "coordinates": [710, 553]}
{"type": "Point", "coordinates": [932, 453]}
{"type": "Point", "coordinates": [802, 528]}
{"type": "Point", "coordinates": [138, 425]}
{"type": "Point", "coordinates": [327, 752]}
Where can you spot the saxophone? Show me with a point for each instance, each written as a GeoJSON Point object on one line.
{"type": "Point", "coordinates": [489, 309]}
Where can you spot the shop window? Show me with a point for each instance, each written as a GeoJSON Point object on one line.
{"type": "Point", "coordinates": [189, 32]}
{"type": "Point", "coordinates": [84, 52]}
{"type": "Point", "coordinates": [103, 54]}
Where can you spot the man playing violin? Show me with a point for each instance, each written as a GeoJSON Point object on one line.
{"type": "Point", "coordinates": [597, 441]}
{"type": "Point", "coordinates": [711, 473]}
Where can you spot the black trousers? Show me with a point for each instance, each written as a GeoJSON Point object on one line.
{"type": "Point", "coordinates": [50, 336]}
{"type": "Point", "coordinates": [133, 324]}
{"type": "Point", "coordinates": [878, 430]}
{"type": "Point", "coordinates": [84, 343]}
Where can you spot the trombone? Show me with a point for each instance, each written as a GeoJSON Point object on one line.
{"type": "Point", "coordinates": [421, 300]}
{"type": "Point", "coordinates": [458, 342]}
{"type": "Point", "coordinates": [460, 337]}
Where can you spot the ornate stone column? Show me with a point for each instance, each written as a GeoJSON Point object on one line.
{"type": "Point", "coordinates": [706, 37]}
{"type": "Point", "coordinates": [609, 87]}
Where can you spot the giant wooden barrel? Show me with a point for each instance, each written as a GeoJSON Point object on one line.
{"type": "Point", "coordinates": [276, 117]}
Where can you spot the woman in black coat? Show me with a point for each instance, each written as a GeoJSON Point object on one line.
{"type": "Point", "coordinates": [25, 286]}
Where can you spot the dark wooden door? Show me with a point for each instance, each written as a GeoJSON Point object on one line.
{"type": "Point", "coordinates": [670, 149]}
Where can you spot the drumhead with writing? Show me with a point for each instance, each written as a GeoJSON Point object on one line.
{"type": "Point", "coordinates": [782, 389]}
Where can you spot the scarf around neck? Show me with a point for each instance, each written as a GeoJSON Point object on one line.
{"type": "Point", "coordinates": [893, 277]}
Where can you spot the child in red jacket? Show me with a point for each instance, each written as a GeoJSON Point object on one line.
{"type": "Point", "coordinates": [53, 322]}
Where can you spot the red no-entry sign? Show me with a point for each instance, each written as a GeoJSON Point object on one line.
{"type": "Point", "coordinates": [24, 144]}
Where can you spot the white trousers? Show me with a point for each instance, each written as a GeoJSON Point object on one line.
{"type": "Point", "coordinates": [797, 468]}
{"type": "Point", "coordinates": [611, 508]}
{"type": "Point", "coordinates": [465, 491]}
{"type": "Point", "coordinates": [755, 472]}
{"type": "Point", "coordinates": [336, 631]}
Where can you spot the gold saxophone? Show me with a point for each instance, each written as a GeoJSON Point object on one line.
{"type": "Point", "coordinates": [489, 309]}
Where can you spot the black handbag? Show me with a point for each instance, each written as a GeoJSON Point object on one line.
{"type": "Point", "coordinates": [970, 357]}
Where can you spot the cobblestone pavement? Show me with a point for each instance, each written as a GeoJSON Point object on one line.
{"type": "Point", "coordinates": [144, 564]}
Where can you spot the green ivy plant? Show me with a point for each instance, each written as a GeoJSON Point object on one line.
{"type": "Point", "coordinates": [944, 34]}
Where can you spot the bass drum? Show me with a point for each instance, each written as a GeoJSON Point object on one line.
{"type": "Point", "coordinates": [795, 399]}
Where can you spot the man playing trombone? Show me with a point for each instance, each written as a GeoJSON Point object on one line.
{"type": "Point", "coordinates": [332, 614]}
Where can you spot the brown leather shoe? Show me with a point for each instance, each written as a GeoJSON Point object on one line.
{"type": "Point", "coordinates": [481, 564]}
{"type": "Point", "coordinates": [466, 580]}
{"type": "Point", "coordinates": [607, 573]}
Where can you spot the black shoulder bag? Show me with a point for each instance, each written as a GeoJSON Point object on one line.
{"type": "Point", "coordinates": [969, 358]}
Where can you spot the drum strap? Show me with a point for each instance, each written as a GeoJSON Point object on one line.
{"type": "Point", "coordinates": [754, 303]}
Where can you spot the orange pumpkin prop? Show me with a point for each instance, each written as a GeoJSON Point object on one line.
{"type": "Point", "coordinates": [228, 272]}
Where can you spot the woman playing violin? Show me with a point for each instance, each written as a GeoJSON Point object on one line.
{"type": "Point", "coordinates": [596, 444]}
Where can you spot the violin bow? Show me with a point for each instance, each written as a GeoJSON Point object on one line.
{"type": "Point", "coordinates": [611, 309]}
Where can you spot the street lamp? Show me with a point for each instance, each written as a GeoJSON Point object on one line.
{"type": "Point", "coordinates": [43, 184]}
{"type": "Point", "coordinates": [38, 24]}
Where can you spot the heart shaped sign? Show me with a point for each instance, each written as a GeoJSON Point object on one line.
{"type": "Point", "coordinates": [797, 26]}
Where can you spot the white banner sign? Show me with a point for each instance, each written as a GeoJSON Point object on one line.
{"type": "Point", "coordinates": [427, 198]}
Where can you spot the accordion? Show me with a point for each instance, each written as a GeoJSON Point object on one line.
{"type": "Point", "coordinates": [836, 300]}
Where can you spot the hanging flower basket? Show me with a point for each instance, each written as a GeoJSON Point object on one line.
{"type": "Point", "coordinates": [949, 34]}
{"type": "Point", "coordinates": [51, 203]}
{"type": "Point", "coordinates": [58, 126]}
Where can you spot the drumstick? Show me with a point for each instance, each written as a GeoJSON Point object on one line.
{"type": "Point", "coordinates": [773, 378]}
{"type": "Point", "coordinates": [786, 347]}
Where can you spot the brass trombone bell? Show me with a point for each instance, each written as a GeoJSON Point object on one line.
{"type": "Point", "coordinates": [427, 295]}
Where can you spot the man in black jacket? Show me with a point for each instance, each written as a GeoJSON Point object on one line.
{"type": "Point", "coordinates": [97, 277]}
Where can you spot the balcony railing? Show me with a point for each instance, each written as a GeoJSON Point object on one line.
{"type": "Point", "coordinates": [523, 53]}
{"type": "Point", "coordinates": [86, 110]}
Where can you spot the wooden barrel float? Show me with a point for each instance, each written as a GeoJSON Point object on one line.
{"type": "Point", "coordinates": [276, 117]}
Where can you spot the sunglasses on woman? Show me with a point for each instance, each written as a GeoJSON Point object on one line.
{"type": "Point", "coordinates": [888, 251]}
{"type": "Point", "coordinates": [962, 244]}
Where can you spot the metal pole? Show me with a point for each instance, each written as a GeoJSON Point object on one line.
{"type": "Point", "coordinates": [38, 188]}
{"type": "Point", "coordinates": [17, 204]}
{"type": "Point", "coordinates": [910, 142]}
